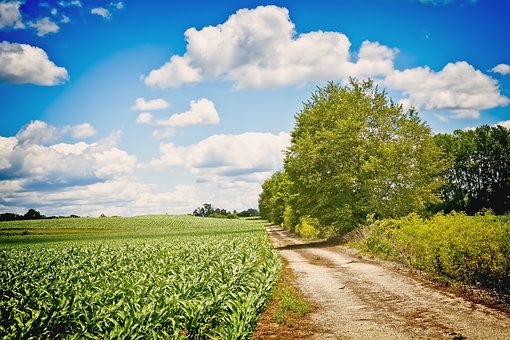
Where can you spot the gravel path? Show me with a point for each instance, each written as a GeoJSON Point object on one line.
{"type": "Point", "coordinates": [357, 299]}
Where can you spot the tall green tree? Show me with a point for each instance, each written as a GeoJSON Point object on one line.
{"type": "Point", "coordinates": [354, 152]}
{"type": "Point", "coordinates": [478, 175]}
{"type": "Point", "coordinates": [273, 198]}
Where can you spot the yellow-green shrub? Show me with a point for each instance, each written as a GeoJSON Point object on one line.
{"type": "Point", "coordinates": [290, 219]}
{"type": "Point", "coordinates": [308, 228]}
{"type": "Point", "coordinates": [470, 249]}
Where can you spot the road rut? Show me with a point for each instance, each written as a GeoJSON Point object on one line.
{"type": "Point", "coordinates": [357, 299]}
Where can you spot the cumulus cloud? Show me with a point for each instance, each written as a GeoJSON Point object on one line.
{"type": "Point", "coordinates": [81, 131]}
{"type": "Point", "coordinates": [107, 11]}
{"type": "Point", "coordinates": [230, 169]}
{"type": "Point", "coordinates": [458, 87]}
{"type": "Point", "coordinates": [258, 48]}
{"type": "Point", "coordinates": [227, 155]}
{"type": "Point", "coordinates": [155, 104]}
{"type": "Point", "coordinates": [174, 73]}
{"type": "Point", "coordinates": [64, 163]}
{"type": "Point", "coordinates": [7, 144]}
{"type": "Point", "coordinates": [10, 15]}
{"type": "Point", "coordinates": [89, 178]}
{"type": "Point", "coordinates": [122, 196]}
{"type": "Point", "coordinates": [39, 132]}
{"type": "Point", "coordinates": [22, 64]}
{"type": "Point", "coordinates": [501, 69]}
{"type": "Point", "coordinates": [79, 178]}
{"type": "Point", "coordinates": [44, 26]}
{"type": "Point", "coordinates": [202, 111]}
{"type": "Point", "coordinates": [101, 11]}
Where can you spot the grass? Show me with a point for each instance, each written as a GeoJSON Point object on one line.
{"type": "Point", "coordinates": [291, 301]}
{"type": "Point", "coordinates": [285, 317]}
{"type": "Point", "coordinates": [149, 276]}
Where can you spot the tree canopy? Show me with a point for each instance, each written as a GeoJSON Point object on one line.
{"type": "Point", "coordinates": [478, 175]}
{"type": "Point", "coordinates": [354, 153]}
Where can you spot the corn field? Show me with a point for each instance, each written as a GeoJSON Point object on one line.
{"type": "Point", "coordinates": [147, 277]}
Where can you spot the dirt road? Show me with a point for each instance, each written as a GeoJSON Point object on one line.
{"type": "Point", "coordinates": [358, 299]}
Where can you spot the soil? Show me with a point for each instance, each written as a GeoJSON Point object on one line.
{"type": "Point", "coordinates": [355, 298]}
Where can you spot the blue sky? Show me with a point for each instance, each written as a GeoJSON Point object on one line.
{"type": "Point", "coordinates": [135, 107]}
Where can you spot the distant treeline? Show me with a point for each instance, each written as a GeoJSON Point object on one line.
{"type": "Point", "coordinates": [208, 210]}
{"type": "Point", "coordinates": [31, 214]}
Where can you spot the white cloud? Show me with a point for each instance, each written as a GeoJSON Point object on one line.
{"type": "Point", "coordinates": [7, 144]}
{"type": "Point", "coordinates": [101, 11]}
{"type": "Point", "coordinates": [227, 155]}
{"type": "Point", "coordinates": [174, 73]}
{"type": "Point", "coordinates": [10, 15]}
{"type": "Point", "coordinates": [65, 19]}
{"type": "Point", "coordinates": [501, 68]}
{"type": "Point", "coordinates": [70, 3]}
{"type": "Point", "coordinates": [44, 26]}
{"type": "Point", "coordinates": [154, 104]}
{"type": "Point", "coordinates": [39, 132]}
{"type": "Point", "coordinates": [79, 178]}
{"type": "Point", "coordinates": [118, 5]}
{"type": "Point", "coordinates": [22, 63]}
{"type": "Point", "coordinates": [374, 59]}
{"type": "Point", "coordinates": [465, 114]}
{"type": "Point", "coordinates": [505, 123]}
{"type": "Point", "coordinates": [164, 133]}
{"type": "Point", "coordinates": [201, 112]}
{"type": "Point", "coordinates": [230, 169]}
{"type": "Point", "coordinates": [122, 196]}
{"type": "Point", "coordinates": [67, 163]}
{"type": "Point", "coordinates": [259, 48]}
{"type": "Point", "coordinates": [145, 118]}
{"type": "Point", "coordinates": [81, 131]}
{"type": "Point", "coordinates": [458, 87]}
{"type": "Point", "coordinates": [93, 178]}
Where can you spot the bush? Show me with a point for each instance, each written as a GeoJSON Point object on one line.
{"type": "Point", "coordinates": [468, 249]}
{"type": "Point", "coordinates": [290, 219]}
{"type": "Point", "coordinates": [308, 228]}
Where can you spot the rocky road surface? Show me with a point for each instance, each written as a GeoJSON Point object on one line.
{"type": "Point", "coordinates": [360, 299]}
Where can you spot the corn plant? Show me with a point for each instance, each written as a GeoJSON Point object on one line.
{"type": "Point", "coordinates": [150, 277]}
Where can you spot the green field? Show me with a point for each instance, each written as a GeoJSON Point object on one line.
{"type": "Point", "coordinates": [140, 277]}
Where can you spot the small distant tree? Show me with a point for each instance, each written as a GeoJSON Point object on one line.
{"type": "Point", "coordinates": [205, 210]}
{"type": "Point", "coordinates": [33, 214]}
{"type": "Point", "coordinates": [248, 213]}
